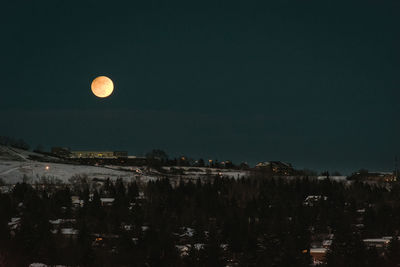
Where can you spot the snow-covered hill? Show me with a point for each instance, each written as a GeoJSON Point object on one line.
{"type": "Point", "coordinates": [15, 164]}
{"type": "Point", "coordinates": [14, 171]}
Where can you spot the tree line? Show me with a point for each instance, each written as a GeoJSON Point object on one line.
{"type": "Point", "coordinates": [242, 222]}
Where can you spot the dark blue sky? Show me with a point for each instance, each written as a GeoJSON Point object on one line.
{"type": "Point", "coordinates": [314, 83]}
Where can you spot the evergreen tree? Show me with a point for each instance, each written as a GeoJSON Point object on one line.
{"type": "Point", "coordinates": [393, 252]}
{"type": "Point", "coordinates": [347, 249]}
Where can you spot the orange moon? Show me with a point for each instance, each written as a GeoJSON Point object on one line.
{"type": "Point", "coordinates": [102, 86]}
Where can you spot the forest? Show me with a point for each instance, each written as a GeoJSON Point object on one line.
{"type": "Point", "coordinates": [210, 222]}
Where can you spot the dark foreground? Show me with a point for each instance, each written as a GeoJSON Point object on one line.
{"type": "Point", "coordinates": [219, 222]}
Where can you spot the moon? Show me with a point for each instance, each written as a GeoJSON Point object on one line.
{"type": "Point", "coordinates": [102, 86]}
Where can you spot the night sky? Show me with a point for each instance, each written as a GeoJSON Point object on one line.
{"type": "Point", "coordinates": [314, 83]}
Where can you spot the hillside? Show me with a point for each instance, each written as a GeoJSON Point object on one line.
{"type": "Point", "coordinates": [15, 164]}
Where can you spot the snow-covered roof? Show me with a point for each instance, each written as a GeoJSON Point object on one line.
{"type": "Point", "coordinates": [107, 199]}
{"type": "Point", "coordinates": [128, 227]}
{"type": "Point", "coordinates": [69, 231]}
{"type": "Point", "coordinates": [198, 246]}
{"type": "Point", "coordinates": [60, 221]}
{"type": "Point", "coordinates": [376, 240]}
{"type": "Point", "coordinates": [78, 202]}
{"type": "Point", "coordinates": [310, 199]}
{"type": "Point", "coordinates": [318, 250]}
{"type": "Point", "coordinates": [36, 264]}
{"type": "Point", "coordinates": [15, 219]}
{"type": "Point", "coordinates": [333, 177]}
{"type": "Point", "coordinates": [6, 189]}
{"type": "Point", "coordinates": [13, 224]}
{"type": "Point", "coordinates": [189, 232]}
{"type": "Point", "coordinates": [327, 243]}
{"type": "Point", "coordinates": [224, 246]}
{"type": "Point", "coordinates": [57, 221]}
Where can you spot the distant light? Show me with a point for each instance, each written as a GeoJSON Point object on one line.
{"type": "Point", "coordinates": [47, 168]}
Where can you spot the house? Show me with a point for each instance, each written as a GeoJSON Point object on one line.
{"type": "Point", "coordinates": [326, 243]}
{"type": "Point", "coordinates": [276, 167]}
{"type": "Point", "coordinates": [37, 264]}
{"type": "Point", "coordinates": [187, 232]}
{"type": "Point", "coordinates": [377, 242]}
{"type": "Point", "coordinates": [107, 201]}
{"type": "Point", "coordinates": [14, 222]}
{"type": "Point", "coordinates": [318, 255]}
{"type": "Point", "coordinates": [312, 200]}
{"type": "Point", "coordinates": [14, 225]}
{"type": "Point", "coordinates": [141, 196]}
{"type": "Point", "coordinates": [5, 189]}
{"type": "Point", "coordinates": [104, 240]}
{"type": "Point", "coordinates": [63, 152]}
{"type": "Point", "coordinates": [69, 232]}
{"type": "Point", "coordinates": [127, 227]}
{"type": "Point", "coordinates": [62, 223]}
{"type": "Point", "coordinates": [183, 250]}
{"type": "Point", "coordinates": [98, 154]}
{"type": "Point", "coordinates": [374, 177]}
{"type": "Point", "coordinates": [77, 202]}
{"type": "Point", "coordinates": [55, 222]}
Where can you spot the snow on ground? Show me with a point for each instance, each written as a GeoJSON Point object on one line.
{"type": "Point", "coordinates": [14, 171]}
{"type": "Point", "coordinates": [15, 164]}
{"type": "Point", "coordinates": [198, 172]}
{"type": "Point", "coordinates": [11, 153]}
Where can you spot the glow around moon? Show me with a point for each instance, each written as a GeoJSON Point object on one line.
{"type": "Point", "coordinates": [102, 86]}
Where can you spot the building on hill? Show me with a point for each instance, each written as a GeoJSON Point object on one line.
{"type": "Point", "coordinates": [366, 176]}
{"type": "Point", "coordinates": [67, 153]}
{"type": "Point", "coordinates": [63, 152]}
{"type": "Point", "coordinates": [276, 167]}
{"type": "Point", "coordinates": [98, 154]}
{"type": "Point", "coordinates": [92, 154]}
{"type": "Point", "coordinates": [121, 154]}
